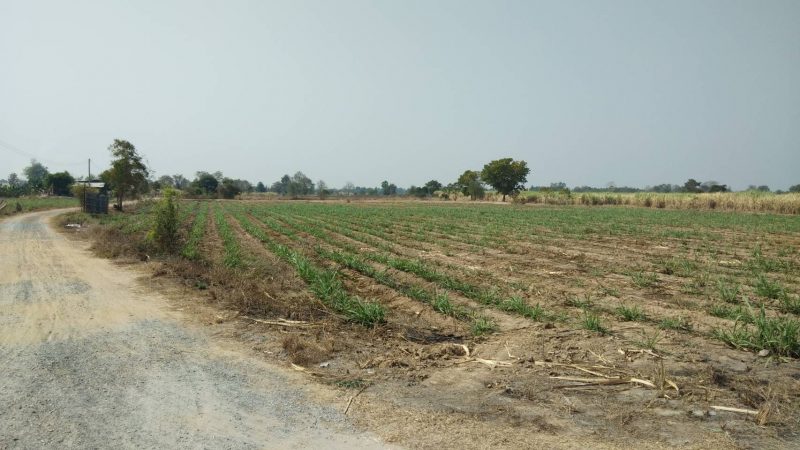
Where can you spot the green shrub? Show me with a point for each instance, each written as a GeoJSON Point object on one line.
{"type": "Point", "coordinates": [164, 233]}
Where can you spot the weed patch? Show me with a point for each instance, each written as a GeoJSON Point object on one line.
{"type": "Point", "coordinates": [728, 292]}
{"type": "Point", "coordinates": [630, 313]}
{"type": "Point", "coordinates": [768, 288]}
{"type": "Point", "coordinates": [644, 279]}
{"type": "Point", "coordinates": [591, 322]}
{"type": "Point", "coordinates": [676, 323]}
{"type": "Point", "coordinates": [779, 335]}
{"type": "Point", "coordinates": [482, 325]}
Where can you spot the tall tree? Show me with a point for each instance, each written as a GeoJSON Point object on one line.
{"type": "Point", "coordinates": [128, 173]}
{"type": "Point", "coordinates": [692, 185]}
{"type": "Point", "coordinates": [180, 181]}
{"type": "Point", "coordinates": [36, 174]}
{"type": "Point", "coordinates": [206, 182]}
{"type": "Point", "coordinates": [300, 184]}
{"type": "Point", "coordinates": [243, 185]}
{"type": "Point", "coordinates": [322, 190]}
{"type": "Point", "coordinates": [60, 182]}
{"type": "Point", "coordinates": [349, 188]}
{"type": "Point", "coordinates": [260, 187]}
{"type": "Point", "coordinates": [14, 181]}
{"type": "Point", "coordinates": [229, 188]}
{"type": "Point", "coordinates": [166, 181]}
{"type": "Point", "coordinates": [506, 175]}
{"type": "Point", "coordinates": [432, 186]}
{"type": "Point", "coordinates": [470, 184]}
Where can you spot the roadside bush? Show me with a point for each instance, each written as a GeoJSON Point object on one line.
{"type": "Point", "coordinates": [164, 234]}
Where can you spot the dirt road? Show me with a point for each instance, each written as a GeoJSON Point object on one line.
{"type": "Point", "coordinates": [90, 358]}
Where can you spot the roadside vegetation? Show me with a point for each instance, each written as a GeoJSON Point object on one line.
{"type": "Point", "coordinates": [9, 206]}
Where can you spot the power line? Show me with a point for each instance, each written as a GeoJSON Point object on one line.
{"type": "Point", "coordinates": [6, 146]}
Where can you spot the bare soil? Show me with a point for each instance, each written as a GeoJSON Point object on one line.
{"type": "Point", "coordinates": [422, 380]}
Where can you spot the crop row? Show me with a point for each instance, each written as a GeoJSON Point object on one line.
{"type": "Point", "coordinates": [323, 282]}
{"type": "Point", "coordinates": [417, 267]}
{"type": "Point", "coordinates": [196, 234]}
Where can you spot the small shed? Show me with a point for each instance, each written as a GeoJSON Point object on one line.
{"type": "Point", "coordinates": [95, 201]}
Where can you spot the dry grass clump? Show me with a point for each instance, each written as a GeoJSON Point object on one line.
{"type": "Point", "coordinates": [304, 350]}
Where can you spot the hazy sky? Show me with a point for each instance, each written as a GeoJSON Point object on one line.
{"type": "Point", "coordinates": [636, 92]}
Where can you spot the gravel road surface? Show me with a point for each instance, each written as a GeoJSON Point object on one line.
{"type": "Point", "coordinates": [90, 358]}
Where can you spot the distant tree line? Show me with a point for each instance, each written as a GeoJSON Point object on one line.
{"type": "Point", "coordinates": [129, 176]}
{"type": "Point", "coordinates": [38, 181]}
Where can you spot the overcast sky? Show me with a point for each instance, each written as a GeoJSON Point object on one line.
{"type": "Point", "coordinates": [635, 92]}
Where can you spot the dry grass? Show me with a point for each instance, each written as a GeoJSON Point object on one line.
{"type": "Point", "coordinates": [725, 201]}
{"type": "Point", "coordinates": [305, 350]}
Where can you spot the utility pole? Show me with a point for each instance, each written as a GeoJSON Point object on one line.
{"type": "Point", "coordinates": [88, 179]}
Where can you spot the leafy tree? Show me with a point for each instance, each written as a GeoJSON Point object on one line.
{"type": "Point", "coordinates": [665, 188]}
{"type": "Point", "coordinates": [260, 187]}
{"type": "Point", "coordinates": [795, 188]}
{"type": "Point", "coordinates": [17, 186]}
{"type": "Point", "coordinates": [128, 173]}
{"type": "Point", "coordinates": [432, 186]}
{"type": "Point", "coordinates": [180, 182]}
{"type": "Point", "coordinates": [281, 186]}
{"type": "Point", "coordinates": [470, 184]}
{"type": "Point", "coordinates": [322, 190]}
{"type": "Point", "coordinates": [14, 187]}
{"type": "Point", "coordinates": [206, 182]}
{"type": "Point", "coordinates": [718, 188]}
{"type": "Point", "coordinates": [300, 184]}
{"type": "Point", "coordinates": [14, 181]}
{"type": "Point", "coordinates": [506, 175]}
{"type": "Point", "coordinates": [166, 181]}
{"type": "Point", "coordinates": [228, 188]}
{"type": "Point", "coordinates": [388, 188]}
{"type": "Point", "coordinates": [60, 182]}
{"type": "Point", "coordinates": [243, 185]}
{"type": "Point", "coordinates": [691, 185]}
{"type": "Point", "coordinates": [286, 180]}
{"type": "Point", "coordinates": [417, 191]}
{"type": "Point", "coordinates": [36, 174]}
